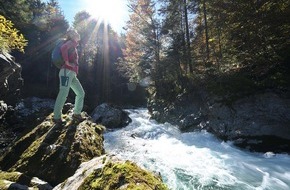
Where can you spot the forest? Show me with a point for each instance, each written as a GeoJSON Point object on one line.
{"type": "Point", "coordinates": [196, 91]}
{"type": "Point", "coordinates": [230, 48]}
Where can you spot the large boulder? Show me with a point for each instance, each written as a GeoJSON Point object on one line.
{"type": "Point", "coordinates": [109, 172]}
{"type": "Point", "coordinates": [253, 121]}
{"type": "Point", "coordinates": [110, 116]}
{"type": "Point", "coordinates": [54, 152]}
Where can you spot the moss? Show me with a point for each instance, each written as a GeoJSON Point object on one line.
{"type": "Point", "coordinates": [10, 176]}
{"type": "Point", "coordinates": [15, 177]}
{"type": "Point", "coordinates": [22, 145]}
{"type": "Point", "coordinates": [51, 149]}
{"type": "Point", "coordinates": [3, 185]}
{"type": "Point", "coordinates": [29, 152]}
{"type": "Point", "coordinates": [113, 176]}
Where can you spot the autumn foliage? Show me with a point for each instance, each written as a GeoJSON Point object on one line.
{"type": "Point", "coordinates": [10, 38]}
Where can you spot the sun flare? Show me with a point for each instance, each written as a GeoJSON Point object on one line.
{"type": "Point", "coordinates": [113, 12]}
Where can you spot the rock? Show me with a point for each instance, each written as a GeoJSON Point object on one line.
{"type": "Point", "coordinates": [20, 181]}
{"type": "Point", "coordinates": [53, 152]}
{"type": "Point", "coordinates": [3, 109]}
{"type": "Point", "coordinates": [109, 172]}
{"type": "Point", "coordinates": [10, 79]}
{"type": "Point", "coordinates": [192, 122]}
{"type": "Point", "coordinates": [258, 122]}
{"type": "Point", "coordinates": [33, 105]}
{"type": "Point", "coordinates": [258, 115]}
{"type": "Point", "coordinates": [41, 185]}
{"type": "Point", "coordinates": [25, 115]}
{"type": "Point", "coordinates": [110, 117]}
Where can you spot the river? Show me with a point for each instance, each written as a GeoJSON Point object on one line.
{"type": "Point", "coordinates": [196, 160]}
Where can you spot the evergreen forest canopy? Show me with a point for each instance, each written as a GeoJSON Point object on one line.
{"type": "Point", "coordinates": [227, 47]}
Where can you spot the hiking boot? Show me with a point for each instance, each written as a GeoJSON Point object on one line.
{"type": "Point", "coordinates": [58, 121]}
{"type": "Point", "coordinates": [78, 117]}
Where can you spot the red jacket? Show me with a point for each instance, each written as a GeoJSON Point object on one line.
{"type": "Point", "coordinates": [70, 54]}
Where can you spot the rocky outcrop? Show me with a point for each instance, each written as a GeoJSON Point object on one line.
{"type": "Point", "coordinates": [259, 122]}
{"type": "Point", "coordinates": [10, 79]}
{"type": "Point", "coordinates": [261, 114]}
{"type": "Point", "coordinates": [54, 152]}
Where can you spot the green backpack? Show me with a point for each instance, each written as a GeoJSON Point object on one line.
{"type": "Point", "coordinates": [56, 57]}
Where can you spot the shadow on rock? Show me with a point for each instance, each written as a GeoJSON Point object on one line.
{"type": "Point", "coordinates": [52, 152]}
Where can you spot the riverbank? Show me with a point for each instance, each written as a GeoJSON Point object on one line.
{"type": "Point", "coordinates": [257, 121]}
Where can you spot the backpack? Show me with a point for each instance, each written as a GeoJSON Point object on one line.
{"type": "Point", "coordinates": [56, 56]}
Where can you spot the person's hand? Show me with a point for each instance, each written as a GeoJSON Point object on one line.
{"type": "Point", "coordinates": [66, 62]}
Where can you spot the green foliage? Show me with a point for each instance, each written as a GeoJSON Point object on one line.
{"type": "Point", "coordinates": [142, 51]}
{"type": "Point", "coordinates": [243, 34]}
{"type": "Point", "coordinates": [237, 48]}
{"type": "Point", "coordinates": [18, 11]}
{"type": "Point", "coordinates": [10, 38]}
{"type": "Point", "coordinates": [231, 87]}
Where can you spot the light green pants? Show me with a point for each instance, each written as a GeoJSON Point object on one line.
{"type": "Point", "coordinates": [67, 80]}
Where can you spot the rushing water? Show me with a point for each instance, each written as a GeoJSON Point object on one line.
{"type": "Point", "coordinates": [196, 160]}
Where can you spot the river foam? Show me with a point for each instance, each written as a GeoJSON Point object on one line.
{"type": "Point", "coordinates": [196, 160]}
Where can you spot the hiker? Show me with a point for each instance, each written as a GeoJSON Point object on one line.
{"type": "Point", "coordinates": [68, 78]}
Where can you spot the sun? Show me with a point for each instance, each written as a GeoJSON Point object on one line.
{"type": "Point", "coordinates": [114, 12]}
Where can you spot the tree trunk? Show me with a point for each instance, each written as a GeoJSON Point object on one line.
{"type": "Point", "coordinates": [206, 30]}
{"type": "Point", "coordinates": [188, 54]}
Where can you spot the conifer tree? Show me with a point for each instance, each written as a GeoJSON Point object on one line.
{"type": "Point", "coordinates": [142, 52]}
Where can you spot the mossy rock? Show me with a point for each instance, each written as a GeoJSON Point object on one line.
{"type": "Point", "coordinates": [54, 152]}
{"type": "Point", "coordinates": [17, 180]}
{"type": "Point", "coordinates": [15, 177]}
{"type": "Point", "coordinates": [123, 175]}
{"type": "Point", "coordinates": [111, 173]}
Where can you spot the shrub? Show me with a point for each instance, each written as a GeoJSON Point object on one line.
{"type": "Point", "coordinates": [10, 39]}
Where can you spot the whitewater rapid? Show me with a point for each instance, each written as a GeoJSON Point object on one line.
{"type": "Point", "coordinates": [195, 160]}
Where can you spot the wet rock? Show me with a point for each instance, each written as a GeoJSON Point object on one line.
{"type": "Point", "coordinates": [110, 117]}
{"type": "Point", "coordinates": [192, 122]}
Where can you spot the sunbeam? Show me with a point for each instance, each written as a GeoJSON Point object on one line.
{"type": "Point", "coordinates": [113, 12]}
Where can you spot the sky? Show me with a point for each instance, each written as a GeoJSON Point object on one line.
{"type": "Point", "coordinates": [113, 11]}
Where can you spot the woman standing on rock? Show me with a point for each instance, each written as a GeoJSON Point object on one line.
{"type": "Point", "coordinates": [68, 78]}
